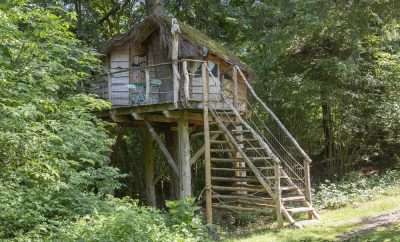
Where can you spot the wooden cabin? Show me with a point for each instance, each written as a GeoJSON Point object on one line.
{"type": "Point", "coordinates": [140, 66]}
{"type": "Point", "coordinates": [180, 85]}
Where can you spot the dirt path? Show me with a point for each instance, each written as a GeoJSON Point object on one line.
{"type": "Point", "coordinates": [371, 223]}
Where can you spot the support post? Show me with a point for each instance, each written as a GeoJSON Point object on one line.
{"type": "Point", "coordinates": [149, 168]}
{"type": "Point", "coordinates": [307, 182]}
{"type": "Point", "coordinates": [235, 88]}
{"type": "Point", "coordinates": [207, 155]}
{"type": "Point", "coordinates": [148, 87]}
{"type": "Point", "coordinates": [278, 202]}
{"type": "Point", "coordinates": [185, 176]}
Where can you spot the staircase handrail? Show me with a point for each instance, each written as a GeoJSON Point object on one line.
{"type": "Point", "coordinates": [280, 124]}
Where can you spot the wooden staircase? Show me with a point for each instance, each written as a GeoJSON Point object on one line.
{"type": "Point", "coordinates": [251, 173]}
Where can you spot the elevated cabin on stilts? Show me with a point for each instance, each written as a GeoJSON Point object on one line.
{"type": "Point", "coordinates": [167, 77]}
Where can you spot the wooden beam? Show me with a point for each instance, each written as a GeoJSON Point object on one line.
{"type": "Point", "coordinates": [200, 151]}
{"type": "Point", "coordinates": [164, 150]}
{"type": "Point", "coordinates": [137, 116]}
{"type": "Point", "coordinates": [185, 173]}
{"type": "Point", "coordinates": [207, 153]}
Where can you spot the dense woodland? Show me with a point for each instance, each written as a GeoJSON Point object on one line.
{"type": "Point", "coordinates": [330, 70]}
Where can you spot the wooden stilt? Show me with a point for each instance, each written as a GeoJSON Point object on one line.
{"type": "Point", "coordinates": [185, 175]}
{"type": "Point", "coordinates": [307, 182]}
{"type": "Point", "coordinates": [207, 155]}
{"type": "Point", "coordinates": [278, 201]}
{"type": "Point", "coordinates": [149, 165]}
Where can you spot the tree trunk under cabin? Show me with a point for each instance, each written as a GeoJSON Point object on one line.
{"type": "Point", "coordinates": [185, 176]}
{"type": "Point", "coordinates": [149, 168]}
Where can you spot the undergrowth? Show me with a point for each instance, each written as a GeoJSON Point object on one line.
{"type": "Point", "coordinates": [354, 188]}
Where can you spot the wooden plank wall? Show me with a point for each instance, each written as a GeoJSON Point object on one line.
{"type": "Point", "coordinates": [215, 87]}
{"type": "Point", "coordinates": [119, 60]}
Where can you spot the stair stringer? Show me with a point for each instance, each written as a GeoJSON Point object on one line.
{"type": "Point", "coordinates": [267, 186]}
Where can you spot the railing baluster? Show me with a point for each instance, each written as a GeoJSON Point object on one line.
{"type": "Point", "coordinates": [147, 85]}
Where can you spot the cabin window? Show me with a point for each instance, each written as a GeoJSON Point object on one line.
{"type": "Point", "coordinates": [213, 68]}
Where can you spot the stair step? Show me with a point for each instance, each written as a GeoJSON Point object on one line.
{"type": "Point", "coordinates": [237, 189]}
{"type": "Point", "coordinates": [260, 158]}
{"type": "Point", "coordinates": [240, 131]}
{"type": "Point", "coordinates": [297, 198]}
{"type": "Point", "coordinates": [250, 140]}
{"type": "Point", "coordinates": [273, 178]}
{"type": "Point", "coordinates": [234, 179]}
{"type": "Point", "coordinates": [219, 141]}
{"type": "Point", "coordinates": [288, 188]}
{"type": "Point", "coordinates": [265, 168]}
{"type": "Point", "coordinates": [230, 160]}
{"type": "Point", "coordinates": [299, 210]}
{"type": "Point", "coordinates": [253, 148]}
{"type": "Point", "coordinates": [246, 209]}
{"type": "Point", "coordinates": [244, 197]}
{"type": "Point", "coordinates": [222, 150]}
{"type": "Point", "coordinates": [216, 132]}
{"type": "Point", "coordinates": [229, 169]}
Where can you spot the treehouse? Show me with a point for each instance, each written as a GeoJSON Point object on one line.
{"type": "Point", "coordinates": [181, 86]}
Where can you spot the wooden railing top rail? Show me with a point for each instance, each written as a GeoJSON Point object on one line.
{"type": "Point", "coordinates": [280, 124]}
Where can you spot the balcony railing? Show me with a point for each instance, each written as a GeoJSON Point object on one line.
{"type": "Point", "coordinates": [154, 84]}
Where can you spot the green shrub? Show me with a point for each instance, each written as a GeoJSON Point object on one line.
{"type": "Point", "coordinates": [124, 220]}
{"type": "Point", "coordinates": [354, 188]}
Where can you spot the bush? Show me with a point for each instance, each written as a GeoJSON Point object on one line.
{"type": "Point", "coordinates": [354, 188]}
{"type": "Point", "coordinates": [124, 220]}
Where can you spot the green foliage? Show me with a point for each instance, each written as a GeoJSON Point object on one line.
{"type": "Point", "coordinates": [354, 188]}
{"type": "Point", "coordinates": [55, 179]}
{"type": "Point", "coordinates": [329, 69]}
{"type": "Point", "coordinates": [53, 151]}
{"type": "Point", "coordinates": [182, 217]}
{"type": "Point", "coordinates": [124, 220]}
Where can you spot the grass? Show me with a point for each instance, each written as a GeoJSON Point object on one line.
{"type": "Point", "coordinates": [336, 222]}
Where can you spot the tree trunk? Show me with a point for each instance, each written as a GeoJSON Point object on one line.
{"type": "Point", "coordinates": [155, 7]}
{"type": "Point", "coordinates": [327, 123]}
{"type": "Point", "coordinates": [149, 168]}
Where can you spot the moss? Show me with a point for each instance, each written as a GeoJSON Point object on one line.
{"type": "Point", "coordinates": [198, 38]}
{"type": "Point", "coordinates": [189, 33]}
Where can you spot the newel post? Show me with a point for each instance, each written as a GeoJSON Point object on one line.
{"type": "Point", "coordinates": [175, 30]}
{"type": "Point", "coordinates": [278, 194]}
{"type": "Point", "coordinates": [307, 182]}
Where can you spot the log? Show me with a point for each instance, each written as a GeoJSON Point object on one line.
{"type": "Point", "coordinates": [207, 144]}
{"type": "Point", "coordinates": [162, 147]}
{"type": "Point", "coordinates": [185, 173]}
